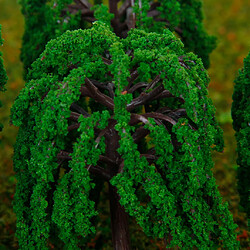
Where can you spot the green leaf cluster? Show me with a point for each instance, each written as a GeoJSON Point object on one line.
{"type": "Point", "coordinates": [174, 195]}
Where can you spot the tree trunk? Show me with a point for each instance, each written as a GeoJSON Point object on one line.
{"type": "Point", "coordinates": [119, 222]}
{"type": "Point", "coordinates": [119, 218]}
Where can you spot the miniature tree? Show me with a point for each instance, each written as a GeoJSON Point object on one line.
{"type": "Point", "coordinates": [241, 118]}
{"type": "Point", "coordinates": [3, 76]}
{"type": "Point", "coordinates": [133, 112]}
{"type": "Point", "coordinates": [45, 20]}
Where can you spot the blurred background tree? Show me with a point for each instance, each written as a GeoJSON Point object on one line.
{"type": "Point", "coordinates": [226, 19]}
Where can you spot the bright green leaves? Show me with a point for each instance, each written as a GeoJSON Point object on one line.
{"type": "Point", "coordinates": [119, 67]}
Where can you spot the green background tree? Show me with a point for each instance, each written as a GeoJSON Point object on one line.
{"type": "Point", "coordinates": [3, 76]}
{"type": "Point", "coordinates": [241, 124]}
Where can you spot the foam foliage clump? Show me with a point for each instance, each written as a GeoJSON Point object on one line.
{"type": "Point", "coordinates": [241, 124]}
{"type": "Point", "coordinates": [134, 112]}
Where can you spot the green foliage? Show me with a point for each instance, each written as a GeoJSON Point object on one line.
{"type": "Point", "coordinates": [241, 124]}
{"type": "Point", "coordinates": [183, 17]}
{"type": "Point", "coordinates": [3, 76]}
{"type": "Point", "coordinates": [154, 96]}
{"type": "Point", "coordinates": [47, 19]}
{"type": "Point", "coordinates": [43, 21]}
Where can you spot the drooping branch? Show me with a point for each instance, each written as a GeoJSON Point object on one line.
{"type": "Point", "coordinates": [92, 91]}
{"type": "Point", "coordinates": [160, 116]}
{"type": "Point", "coordinates": [108, 86]}
{"type": "Point", "coordinates": [74, 116]}
{"type": "Point", "coordinates": [99, 171]}
{"type": "Point", "coordinates": [107, 160]}
{"type": "Point", "coordinates": [165, 94]}
{"type": "Point", "coordinates": [133, 76]}
{"type": "Point", "coordinates": [137, 86]}
{"type": "Point", "coordinates": [79, 109]}
{"type": "Point", "coordinates": [144, 97]}
{"type": "Point", "coordinates": [153, 83]}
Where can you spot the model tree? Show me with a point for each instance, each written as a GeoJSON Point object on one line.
{"type": "Point", "coordinates": [133, 112]}
{"type": "Point", "coordinates": [3, 76]}
{"type": "Point", "coordinates": [46, 19]}
{"type": "Point", "coordinates": [241, 118]}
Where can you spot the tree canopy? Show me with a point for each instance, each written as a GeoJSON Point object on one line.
{"type": "Point", "coordinates": [132, 111]}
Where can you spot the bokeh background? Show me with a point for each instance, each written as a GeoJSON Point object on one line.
{"type": "Point", "coordinates": [228, 20]}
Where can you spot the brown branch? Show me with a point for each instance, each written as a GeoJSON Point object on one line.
{"type": "Point", "coordinates": [88, 19]}
{"type": "Point", "coordinates": [113, 8]}
{"type": "Point", "coordinates": [108, 86]}
{"type": "Point", "coordinates": [97, 170]}
{"type": "Point", "coordinates": [92, 91]}
{"type": "Point", "coordinates": [74, 116]}
{"type": "Point", "coordinates": [107, 61]}
{"type": "Point", "coordinates": [150, 158]}
{"type": "Point", "coordinates": [136, 118]}
{"type": "Point", "coordinates": [153, 13]}
{"type": "Point", "coordinates": [154, 5]}
{"type": "Point", "coordinates": [160, 116]}
{"type": "Point", "coordinates": [145, 97]}
{"type": "Point", "coordinates": [79, 109]}
{"type": "Point", "coordinates": [166, 94]}
{"type": "Point", "coordinates": [64, 155]}
{"type": "Point", "coordinates": [153, 83]}
{"type": "Point", "coordinates": [133, 76]}
{"type": "Point", "coordinates": [74, 126]}
{"type": "Point", "coordinates": [124, 8]}
{"type": "Point", "coordinates": [107, 160]}
{"type": "Point", "coordinates": [85, 3]}
{"type": "Point", "coordinates": [140, 133]}
{"type": "Point", "coordinates": [137, 86]}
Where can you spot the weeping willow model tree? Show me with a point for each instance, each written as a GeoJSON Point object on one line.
{"type": "Point", "coordinates": [3, 76]}
{"type": "Point", "coordinates": [241, 124]}
{"type": "Point", "coordinates": [133, 112]}
{"type": "Point", "coordinates": [46, 19]}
